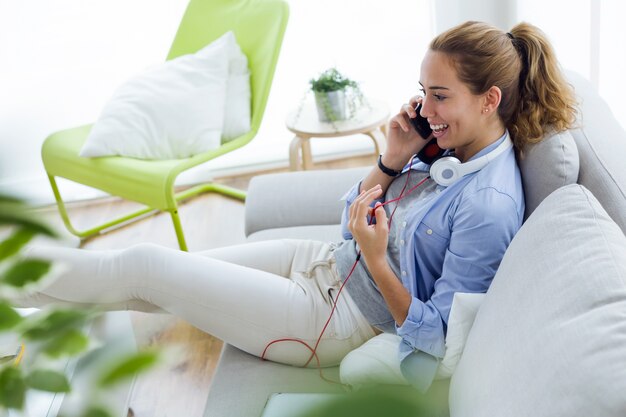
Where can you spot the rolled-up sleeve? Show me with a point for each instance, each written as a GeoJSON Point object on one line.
{"type": "Point", "coordinates": [422, 328]}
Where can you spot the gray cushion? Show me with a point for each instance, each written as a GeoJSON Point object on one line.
{"type": "Point", "coordinates": [550, 337]}
{"type": "Point", "coordinates": [302, 198]}
{"type": "Point", "coordinates": [246, 382]}
{"type": "Point", "coordinates": [601, 143]}
{"type": "Point", "coordinates": [324, 233]}
{"type": "Point", "coordinates": [547, 166]}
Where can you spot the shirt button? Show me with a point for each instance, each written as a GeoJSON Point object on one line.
{"type": "Point", "coordinates": [403, 224]}
{"type": "Point", "coordinates": [438, 190]}
{"type": "Point", "coordinates": [429, 232]}
{"type": "Point", "coordinates": [402, 242]}
{"type": "Point", "coordinates": [403, 273]}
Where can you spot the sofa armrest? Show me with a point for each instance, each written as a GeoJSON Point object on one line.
{"type": "Point", "coordinates": [298, 198]}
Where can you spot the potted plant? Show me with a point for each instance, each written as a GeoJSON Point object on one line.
{"type": "Point", "coordinates": [336, 96]}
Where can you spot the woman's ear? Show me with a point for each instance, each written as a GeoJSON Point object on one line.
{"type": "Point", "coordinates": [492, 99]}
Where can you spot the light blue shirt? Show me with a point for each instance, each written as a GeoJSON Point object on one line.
{"type": "Point", "coordinates": [454, 240]}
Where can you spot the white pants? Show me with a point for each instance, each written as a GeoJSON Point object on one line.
{"type": "Point", "coordinates": [247, 295]}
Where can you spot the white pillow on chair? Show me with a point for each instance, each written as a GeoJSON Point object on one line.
{"type": "Point", "coordinates": [376, 361]}
{"type": "Point", "coordinates": [177, 109]}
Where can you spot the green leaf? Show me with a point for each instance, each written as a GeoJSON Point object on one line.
{"type": "Point", "coordinates": [96, 411]}
{"type": "Point", "coordinates": [9, 318]}
{"type": "Point", "coordinates": [129, 367]}
{"type": "Point", "coordinates": [8, 199]}
{"type": "Point", "coordinates": [55, 323]}
{"type": "Point", "coordinates": [15, 242]}
{"type": "Point", "coordinates": [13, 212]}
{"type": "Point", "coordinates": [68, 343]}
{"type": "Point", "coordinates": [46, 380]}
{"type": "Point", "coordinates": [12, 388]}
{"type": "Point", "coordinates": [331, 80]}
{"type": "Point", "coordinates": [25, 272]}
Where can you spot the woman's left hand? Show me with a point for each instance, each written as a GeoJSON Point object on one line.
{"type": "Point", "coordinates": [372, 238]}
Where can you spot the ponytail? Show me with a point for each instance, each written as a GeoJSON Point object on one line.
{"type": "Point", "coordinates": [547, 101]}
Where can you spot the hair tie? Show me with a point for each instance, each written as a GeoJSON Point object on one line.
{"type": "Point", "coordinates": [520, 47]}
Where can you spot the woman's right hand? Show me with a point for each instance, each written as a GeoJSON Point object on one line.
{"type": "Point", "coordinates": [403, 141]}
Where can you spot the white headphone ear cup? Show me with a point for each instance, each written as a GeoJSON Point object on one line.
{"type": "Point", "coordinates": [445, 171]}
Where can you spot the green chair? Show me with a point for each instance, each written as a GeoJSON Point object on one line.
{"type": "Point", "coordinates": [259, 26]}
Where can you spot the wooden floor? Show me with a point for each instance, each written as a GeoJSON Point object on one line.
{"type": "Point", "coordinates": [180, 386]}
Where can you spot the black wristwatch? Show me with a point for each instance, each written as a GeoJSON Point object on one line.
{"type": "Point", "coordinates": [388, 171]}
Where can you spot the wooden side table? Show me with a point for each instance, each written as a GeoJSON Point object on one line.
{"type": "Point", "coordinates": [370, 120]}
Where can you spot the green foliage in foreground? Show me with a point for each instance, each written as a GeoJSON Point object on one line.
{"type": "Point", "coordinates": [48, 334]}
{"type": "Point", "coordinates": [387, 400]}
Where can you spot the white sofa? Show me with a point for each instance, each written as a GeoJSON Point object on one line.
{"type": "Point", "coordinates": [550, 336]}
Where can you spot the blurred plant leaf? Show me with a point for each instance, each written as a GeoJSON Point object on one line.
{"type": "Point", "coordinates": [8, 199]}
{"type": "Point", "coordinates": [13, 389]}
{"type": "Point", "coordinates": [9, 318]}
{"type": "Point", "coordinates": [14, 212]}
{"type": "Point", "coordinates": [46, 380]}
{"type": "Point", "coordinates": [386, 400]}
{"type": "Point", "coordinates": [55, 323]}
{"type": "Point", "coordinates": [129, 367]}
{"type": "Point", "coordinates": [69, 343]}
{"type": "Point", "coordinates": [15, 242]}
{"type": "Point", "coordinates": [25, 272]}
{"type": "Point", "coordinates": [96, 411]}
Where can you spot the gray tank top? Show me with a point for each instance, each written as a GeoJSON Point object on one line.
{"type": "Point", "coordinates": [361, 286]}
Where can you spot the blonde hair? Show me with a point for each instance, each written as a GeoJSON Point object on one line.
{"type": "Point", "coordinates": [535, 95]}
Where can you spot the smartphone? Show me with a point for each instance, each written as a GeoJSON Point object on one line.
{"type": "Point", "coordinates": [431, 151]}
{"type": "Point", "coordinates": [420, 123]}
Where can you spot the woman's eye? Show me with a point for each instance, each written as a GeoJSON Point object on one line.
{"type": "Point", "coordinates": [439, 97]}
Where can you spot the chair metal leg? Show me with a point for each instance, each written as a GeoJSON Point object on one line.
{"type": "Point", "coordinates": [179, 230]}
{"type": "Point", "coordinates": [136, 215]}
{"type": "Point", "coordinates": [212, 188]}
{"type": "Point", "coordinates": [139, 214]}
{"type": "Point", "coordinates": [62, 210]}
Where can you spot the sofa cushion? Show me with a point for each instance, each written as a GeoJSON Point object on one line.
{"type": "Point", "coordinates": [550, 336]}
{"type": "Point", "coordinates": [601, 143]}
{"type": "Point", "coordinates": [547, 166]}
{"type": "Point", "coordinates": [294, 199]}
{"type": "Point", "coordinates": [246, 382]}
{"type": "Point", "coordinates": [323, 233]}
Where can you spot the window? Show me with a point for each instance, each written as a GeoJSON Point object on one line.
{"type": "Point", "coordinates": [589, 38]}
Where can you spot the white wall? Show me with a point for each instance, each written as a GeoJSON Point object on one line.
{"type": "Point", "coordinates": [500, 13]}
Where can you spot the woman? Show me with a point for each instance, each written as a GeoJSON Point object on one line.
{"type": "Point", "coordinates": [274, 299]}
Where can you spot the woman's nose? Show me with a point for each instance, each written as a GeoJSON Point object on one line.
{"type": "Point", "coordinates": [425, 111]}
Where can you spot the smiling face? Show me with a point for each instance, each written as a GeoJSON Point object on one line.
{"type": "Point", "coordinates": [460, 119]}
